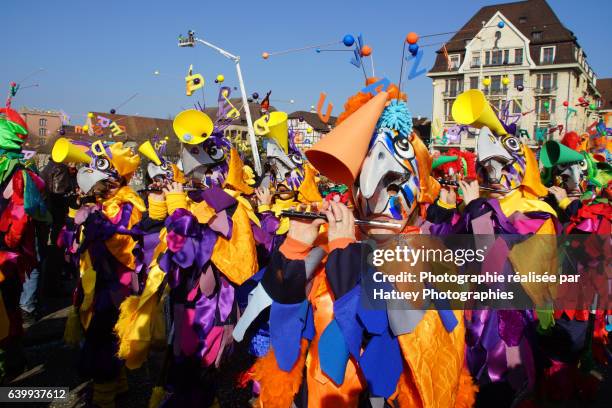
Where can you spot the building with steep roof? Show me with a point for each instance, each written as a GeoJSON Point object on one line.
{"type": "Point", "coordinates": [531, 62]}
{"type": "Point", "coordinates": [308, 128]}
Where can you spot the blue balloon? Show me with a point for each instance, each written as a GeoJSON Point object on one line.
{"type": "Point", "coordinates": [318, 50]}
{"type": "Point", "coordinates": [501, 24]}
{"type": "Point", "coordinates": [348, 40]}
{"type": "Point", "coordinates": [413, 48]}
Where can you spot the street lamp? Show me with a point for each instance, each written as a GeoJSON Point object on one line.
{"type": "Point", "coordinates": [190, 42]}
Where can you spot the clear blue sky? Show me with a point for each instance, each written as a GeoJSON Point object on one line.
{"type": "Point", "coordinates": [98, 54]}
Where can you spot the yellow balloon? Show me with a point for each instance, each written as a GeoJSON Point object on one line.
{"type": "Point", "coordinates": [505, 80]}
{"type": "Point", "coordinates": [85, 128]}
{"type": "Point", "coordinates": [90, 115]}
{"type": "Point", "coordinates": [486, 81]}
{"type": "Point", "coordinates": [309, 130]}
{"type": "Point", "coordinates": [220, 78]}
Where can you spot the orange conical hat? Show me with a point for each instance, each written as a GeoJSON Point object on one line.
{"type": "Point", "coordinates": [338, 156]}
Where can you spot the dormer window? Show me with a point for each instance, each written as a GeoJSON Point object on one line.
{"type": "Point", "coordinates": [536, 35]}
{"type": "Point", "coordinates": [454, 61]}
{"type": "Point", "coordinates": [547, 55]}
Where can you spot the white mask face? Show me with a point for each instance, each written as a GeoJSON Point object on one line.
{"type": "Point", "coordinates": [390, 161]}
{"type": "Point", "coordinates": [87, 177]}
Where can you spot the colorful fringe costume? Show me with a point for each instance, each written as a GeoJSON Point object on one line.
{"type": "Point", "coordinates": [576, 345]}
{"type": "Point", "coordinates": [204, 250]}
{"type": "Point", "coordinates": [326, 348]}
{"type": "Point", "coordinates": [21, 203]}
{"type": "Point", "coordinates": [500, 343]}
{"type": "Point", "coordinates": [106, 262]}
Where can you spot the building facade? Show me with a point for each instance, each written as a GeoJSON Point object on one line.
{"type": "Point", "coordinates": [42, 125]}
{"type": "Point", "coordinates": [604, 85]}
{"type": "Point", "coordinates": [528, 65]}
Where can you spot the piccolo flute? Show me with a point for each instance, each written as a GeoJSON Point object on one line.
{"type": "Point", "coordinates": [159, 190]}
{"type": "Point", "coordinates": [483, 188]}
{"type": "Point", "coordinates": [315, 216]}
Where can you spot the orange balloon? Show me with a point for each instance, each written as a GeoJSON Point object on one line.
{"type": "Point", "coordinates": [366, 50]}
{"type": "Point", "coordinates": [412, 38]}
{"type": "Point", "coordinates": [265, 55]}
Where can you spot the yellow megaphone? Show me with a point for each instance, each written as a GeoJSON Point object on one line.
{"type": "Point", "coordinates": [472, 108]}
{"type": "Point", "coordinates": [192, 126]}
{"type": "Point", "coordinates": [147, 150]}
{"type": "Point", "coordinates": [274, 125]}
{"type": "Point", "coordinates": [66, 152]}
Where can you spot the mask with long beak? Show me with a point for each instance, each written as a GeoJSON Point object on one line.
{"type": "Point", "coordinates": [285, 167]}
{"type": "Point", "coordinates": [211, 154]}
{"type": "Point", "coordinates": [388, 182]}
{"type": "Point", "coordinates": [103, 162]}
{"type": "Point", "coordinates": [564, 167]}
{"type": "Point", "coordinates": [500, 160]}
{"type": "Point", "coordinates": [571, 176]}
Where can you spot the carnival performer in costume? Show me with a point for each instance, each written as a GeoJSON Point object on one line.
{"type": "Point", "coordinates": [272, 203]}
{"type": "Point", "coordinates": [575, 178]}
{"type": "Point", "coordinates": [564, 168]}
{"type": "Point", "coordinates": [455, 165]}
{"type": "Point", "coordinates": [276, 193]}
{"type": "Point", "coordinates": [107, 264]}
{"type": "Point", "coordinates": [284, 161]}
{"type": "Point", "coordinates": [205, 251]}
{"type": "Point", "coordinates": [162, 174]}
{"type": "Point", "coordinates": [577, 342]}
{"type": "Point", "coordinates": [21, 204]}
{"type": "Point", "coordinates": [502, 341]}
{"type": "Point", "coordinates": [269, 237]}
{"type": "Point", "coordinates": [450, 168]}
{"type": "Point", "coordinates": [326, 349]}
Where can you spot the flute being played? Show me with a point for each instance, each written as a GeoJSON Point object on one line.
{"type": "Point", "coordinates": [483, 188]}
{"type": "Point", "coordinates": [316, 215]}
{"type": "Point", "coordinates": [159, 189]}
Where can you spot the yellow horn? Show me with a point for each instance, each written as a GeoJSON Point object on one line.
{"type": "Point", "coordinates": [275, 128]}
{"type": "Point", "coordinates": [148, 151]}
{"type": "Point", "coordinates": [192, 126]}
{"type": "Point", "coordinates": [65, 152]}
{"type": "Point", "coordinates": [472, 108]}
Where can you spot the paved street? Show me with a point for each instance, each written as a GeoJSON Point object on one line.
{"type": "Point", "coordinates": [51, 363]}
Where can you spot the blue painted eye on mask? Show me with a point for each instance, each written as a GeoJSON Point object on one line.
{"type": "Point", "coordinates": [386, 135]}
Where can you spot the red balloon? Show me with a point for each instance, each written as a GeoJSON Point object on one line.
{"type": "Point", "coordinates": [581, 99]}
{"type": "Point", "coordinates": [565, 103]}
